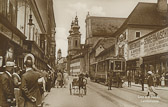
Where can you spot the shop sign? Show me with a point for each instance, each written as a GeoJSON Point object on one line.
{"type": "Point", "coordinates": [152, 44]}
{"type": "Point", "coordinates": [134, 50]}
{"type": "Point", "coordinates": [4, 30]}
{"type": "Point", "coordinates": [16, 39]}
{"type": "Point", "coordinates": [156, 43]}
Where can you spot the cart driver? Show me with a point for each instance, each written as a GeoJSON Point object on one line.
{"type": "Point", "coordinates": [81, 81]}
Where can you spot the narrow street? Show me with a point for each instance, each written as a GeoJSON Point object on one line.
{"type": "Point", "coordinates": [98, 96]}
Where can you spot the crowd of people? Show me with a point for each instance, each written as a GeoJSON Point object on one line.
{"type": "Point", "coordinates": [151, 79]}
{"type": "Point", "coordinates": [26, 87]}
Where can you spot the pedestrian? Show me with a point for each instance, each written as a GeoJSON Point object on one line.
{"type": "Point", "coordinates": [7, 98]}
{"type": "Point", "coordinates": [142, 78]}
{"type": "Point", "coordinates": [158, 80]}
{"type": "Point", "coordinates": [110, 76]}
{"type": "Point", "coordinates": [81, 83]}
{"type": "Point", "coordinates": [150, 84]}
{"type": "Point", "coordinates": [162, 79]}
{"type": "Point", "coordinates": [55, 78]}
{"type": "Point", "coordinates": [118, 78]}
{"type": "Point", "coordinates": [49, 80]}
{"type": "Point", "coordinates": [154, 80]}
{"type": "Point", "coordinates": [29, 85]}
{"type": "Point", "coordinates": [129, 79]}
{"type": "Point", "coordinates": [59, 79]}
{"type": "Point", "coordinates": [17, 78]}
{"type": "Point", "coordinates": [66, 78]}
{"type": "Point", "coordinates": [17, 83]}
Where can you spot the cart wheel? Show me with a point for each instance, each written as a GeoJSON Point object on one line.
{"type": "Point", "coordinates": [70, 89]}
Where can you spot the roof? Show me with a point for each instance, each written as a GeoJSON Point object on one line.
{"type": "Point", "coordinates": [105, 26]}
{"type": "Point", "coordinates": [105, 42]}
{"type": "Point", "coordinates": [145, 14]}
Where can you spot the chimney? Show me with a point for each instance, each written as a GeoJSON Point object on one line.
{"type": "Point", "coordinates": [162, 9]}
{"type": "Point", "coordinates": [162, 6]}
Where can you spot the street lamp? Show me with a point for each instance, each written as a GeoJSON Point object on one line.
{"type": "Point", "coordinates": [30, 19]}
{"type": "Point", "coordinates": [30, 24]}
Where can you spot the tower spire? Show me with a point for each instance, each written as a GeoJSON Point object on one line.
{"type": "Point", "coordinates": [76, 20]}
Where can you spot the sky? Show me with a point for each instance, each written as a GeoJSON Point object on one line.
{"type": "Point", "coordinates": [66, 10]}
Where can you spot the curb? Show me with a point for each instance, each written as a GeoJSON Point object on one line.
{"type": "Point", "coordinates": [157, 88]}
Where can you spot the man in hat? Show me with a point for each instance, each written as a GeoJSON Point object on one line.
{"type": "Point", "coordinates": [29, 85]}
{"type": "Point", "coordinates": [150, 84]}
{"type": "Point", "coordinates": [7, 98]}
{"type": "Point", "coordinates": [110, 76]}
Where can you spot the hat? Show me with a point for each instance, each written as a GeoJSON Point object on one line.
{"type": "Point", "coordinates": [9, 64]}
{"type": "Point", "coordinates": [149, 72]}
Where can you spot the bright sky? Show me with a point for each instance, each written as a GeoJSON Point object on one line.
{"type": "Point", "coordinates": [65, 11]}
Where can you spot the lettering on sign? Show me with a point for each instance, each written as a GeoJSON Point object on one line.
{"type": "Point", "coordinates": [16, 39]}
{"type": "Point", "coordinates": [156, 42]}
{"type": "Point", "coordinates": [4, 30]}
{"type": "Point", "coordinates": [152, 44]}
{"type": "Point", "coordinates": [134, 50]}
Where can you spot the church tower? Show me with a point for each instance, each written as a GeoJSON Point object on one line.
{"type": "Point", "coordinates": [74, 39]}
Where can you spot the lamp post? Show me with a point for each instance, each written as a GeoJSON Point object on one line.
{"type": "Point", "coordinates": [30, 24]}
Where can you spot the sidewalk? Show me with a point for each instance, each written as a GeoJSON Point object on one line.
{"type": "Point", "coordinates": [145, 86]}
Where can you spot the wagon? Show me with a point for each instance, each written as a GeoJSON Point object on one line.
{"type": "Point", "coordinates": [76, 86]}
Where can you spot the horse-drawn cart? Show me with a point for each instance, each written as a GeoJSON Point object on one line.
{"type": "Point", "coordinates": [78, 84]}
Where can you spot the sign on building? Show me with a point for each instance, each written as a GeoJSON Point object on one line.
{"type": "Point", "coordinates": [152, 44]}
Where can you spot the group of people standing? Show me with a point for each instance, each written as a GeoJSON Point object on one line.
{"type": "Point", "coordinates": [24, 88]}
{"type": "Point", "coordinates": [114, 80]}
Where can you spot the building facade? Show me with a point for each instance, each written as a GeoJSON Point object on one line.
{"type": "Point", "coordinates": [152, 48]}
{"type": "Point", "coordinates": [98, 28]}
{"type": "Point", "coordinates": [34, 21]}
{"type": "Point", "coordinates": [136, 27]}
{"type": "Point", "coordinates": [11, 38]}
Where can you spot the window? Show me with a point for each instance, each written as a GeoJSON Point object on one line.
{"type": "Point", "coordinates": [8, 9]}
{"type": "Point", "coordinates": [117, 65]}
{"type": "Point", "coordinates": [76, 43]}
{"type": "Point", "coordinates": [138, 34]}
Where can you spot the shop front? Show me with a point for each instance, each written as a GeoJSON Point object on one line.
{"type": "Point", "coordinates": [153, 50]}
{"type": "Point", "coordinates": [132, 67]}
{"type": "Point", "coordinates": [158, 64]}
{"type": "Point", "coordinates": [11, 42]}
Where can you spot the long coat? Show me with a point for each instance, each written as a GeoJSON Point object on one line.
{"type": "Point", "coordinates": [29, 87]}
{"type": "Point", "coordinates": [150, 81]}
{"type": "Point", "coordinates": [6, 89]}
